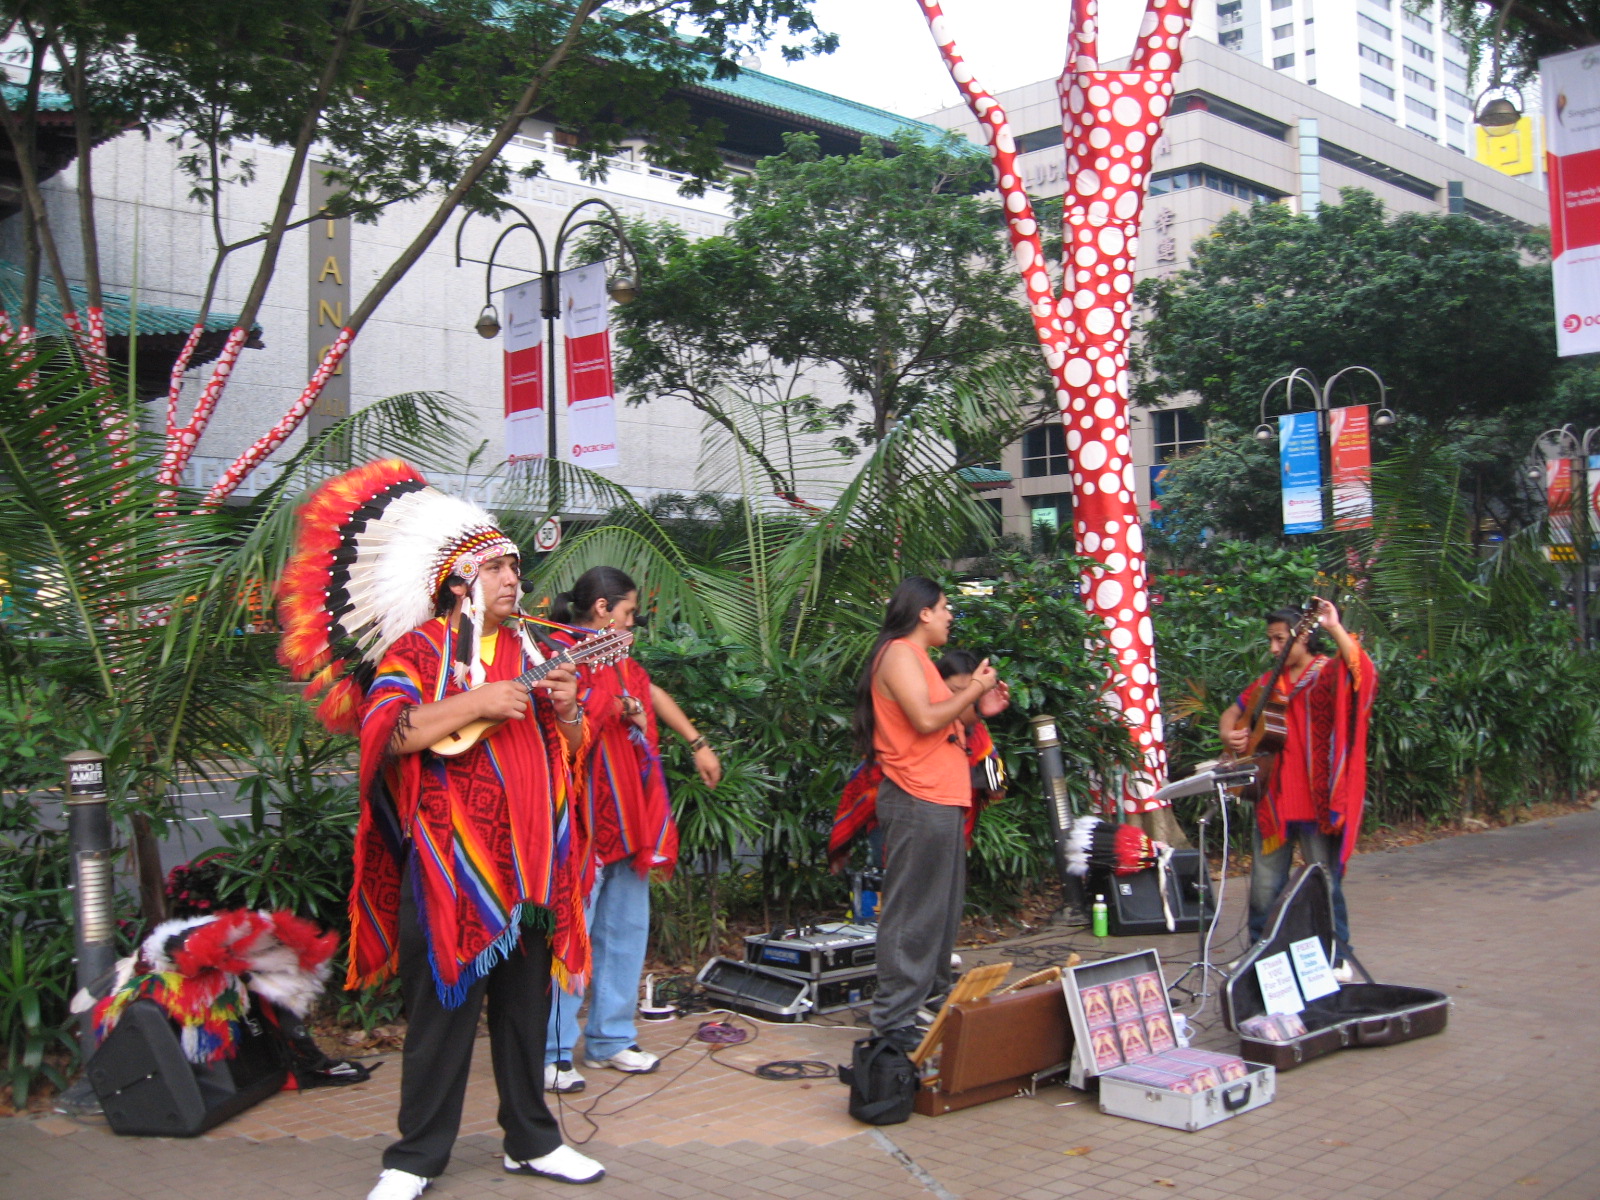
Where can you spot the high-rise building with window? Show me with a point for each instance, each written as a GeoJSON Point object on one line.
{"type": "Point", "coordinates": [1394, 58]}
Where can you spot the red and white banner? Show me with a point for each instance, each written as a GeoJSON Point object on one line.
{"type": "Point", "coordinates": [1558, 500]}
{"type": "Point", "coordinates": [1571, 85]}
{"type": "Point", "coordinates": [526, 431]}
{"type": "Point", "coordinates": [1350, 438]}
{"type": "Point", "coordinates": [591, 439]}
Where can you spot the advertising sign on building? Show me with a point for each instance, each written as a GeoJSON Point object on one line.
{"type": "Point", "coordinates": [526, 431]}
{"type": "Point", "coordinates": [1572, 122]}
{"type": "Point", "coordinates": [1350, 440]}
{"type": "Point", "coordinates": [1300, 466]}
{"type": "Point", "coordinates": [591, 439]}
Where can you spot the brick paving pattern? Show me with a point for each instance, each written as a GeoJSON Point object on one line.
{"type": "Point", "coordinates": [1497, 1106]}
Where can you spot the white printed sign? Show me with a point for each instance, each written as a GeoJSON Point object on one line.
{"type": "Point", "coordinates": [1311, 967]}
{"type": "Point", "coordinates": [1278, 989]}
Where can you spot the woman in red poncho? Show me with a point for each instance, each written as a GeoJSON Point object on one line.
{"type": "Point", "coordinates": [1319, 782]}
{"type": "Point", "coordinates": [630, 825]}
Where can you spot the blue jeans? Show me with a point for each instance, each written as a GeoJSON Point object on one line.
{"type": "Point", "coordinates": [1270, 872]}
{"type": "Point", "coordinates": [618, 913]}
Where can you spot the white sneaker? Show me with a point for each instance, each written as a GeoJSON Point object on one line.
{"type": "Point", "coordinates": [560, 1077]}
{"type": "Point", "coordinates": [633, 1060]}
{"type": "Point", "coordinates": [1344, 973]}
{"type": "Point", "coordinates": [563, 1163]}
{"type": "Point", "coordinates": [394, 1184]}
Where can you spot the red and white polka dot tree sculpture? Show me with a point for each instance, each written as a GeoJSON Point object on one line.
{"type": "Point", "coordinates": [1110, 121]}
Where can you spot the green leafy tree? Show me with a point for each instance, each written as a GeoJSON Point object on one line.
{"type": "Point", "coordinates": [1453, 313]}
{"type": "Point", "coordinates": [884, 270]}
{"type": "Point", "coordinates": [1533, 29]}
{"type": "Point", "coordinates": [402, 100]}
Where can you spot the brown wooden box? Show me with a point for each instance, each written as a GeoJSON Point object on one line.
{"type": "Point", "coordinates": [997, 1047]}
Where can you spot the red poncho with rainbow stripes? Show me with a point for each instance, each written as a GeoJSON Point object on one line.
{"type": "Point", "coordinates": [490, 833]}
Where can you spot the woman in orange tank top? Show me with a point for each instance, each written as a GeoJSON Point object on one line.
{"type": "Point", "coordinates": [907, 719]}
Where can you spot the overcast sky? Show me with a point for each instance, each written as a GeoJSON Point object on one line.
{"type": "Point", "coordinates": [886, 56]}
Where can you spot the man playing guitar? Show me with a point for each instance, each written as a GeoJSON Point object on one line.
{"type": "Point", "coordinates": [1313, 791]}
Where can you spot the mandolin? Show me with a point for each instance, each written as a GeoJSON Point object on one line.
{"type": "Point", "coordinates": [599, 649]}
{"type": "Point", "coordinates": [1268, 719]}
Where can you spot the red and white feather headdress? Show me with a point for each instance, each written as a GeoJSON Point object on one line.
{"type": "Point", "coordinates": [373, 548]}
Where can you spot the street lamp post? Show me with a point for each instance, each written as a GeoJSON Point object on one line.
{"type": "Point", "coordinates": [622, 286]}
{"type": "Point", "coordinates": [1321, 404]}
{"type": "Point", "coordinates": [1554, 445]}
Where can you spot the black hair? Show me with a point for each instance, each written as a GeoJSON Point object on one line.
{"type": "Point", "coordinates": [444, 600]}
{"type": "Point", "coordinates": [594, 585]}
{"type": "Point", "coordinates": [957, 662]}
{"type": "Point", "coordinates": [900, 617]}
{"type": "Point", "coordinates": [1317, 643]}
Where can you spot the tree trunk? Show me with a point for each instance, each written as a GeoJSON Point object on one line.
{"type": "Point", "coordinates": [147, 869]}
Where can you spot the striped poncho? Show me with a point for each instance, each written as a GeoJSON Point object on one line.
{"type": "Point", "coordinates": [1321, 773]}
{"type": "Point", "coordinates": [489, 834]}
{"type": "Point", "coordinates": [628, 812]}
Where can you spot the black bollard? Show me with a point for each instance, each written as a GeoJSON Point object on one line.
{"type": "Point", "coordinates": [1052, 774]}
{"type": "Point", "coordinates": [89, 833]}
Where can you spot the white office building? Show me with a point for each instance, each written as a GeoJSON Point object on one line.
{"type": "Point", "coordinates": [1390, 57]}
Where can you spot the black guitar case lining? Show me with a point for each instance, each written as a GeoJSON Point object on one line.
{"type": "Point", "coordinates": [1358, 1014]}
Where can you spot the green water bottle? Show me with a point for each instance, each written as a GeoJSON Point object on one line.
{"type": "Point", "coordinates": [1101, 925]}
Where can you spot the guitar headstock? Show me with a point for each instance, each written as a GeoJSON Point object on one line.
{"type": "Point", "coordinates": [1307, 621]}
{"type": "Point", "coordinates": [601, 649]}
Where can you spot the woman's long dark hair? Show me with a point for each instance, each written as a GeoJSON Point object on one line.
{"type": "Point", "coordinates": [594, 585]}
{"type": "Point", "coordinates": [914, 594]}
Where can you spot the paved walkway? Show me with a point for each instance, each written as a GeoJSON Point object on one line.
{"type": "Point", "coordinates": [1500, 1105]}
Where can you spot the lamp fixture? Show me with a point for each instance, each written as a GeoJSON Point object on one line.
{"type": "Point", "coordinates": [488, 323]}
{"type": "Point", "coordinates": [1383, 418]}
{"type": "Point", "coordinates": [1264, 432]}
{"type": "Point", "coordinates": [622, 287]}
{"type": "Point", "coordinates": [1499, 116]}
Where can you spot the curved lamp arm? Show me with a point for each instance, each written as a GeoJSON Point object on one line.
{"type": "Point", "coordinates": [1302, 375]}
{"type": "Point", "coordinates": [1384, 416]}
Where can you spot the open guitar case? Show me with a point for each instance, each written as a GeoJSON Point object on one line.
{"type": "Point", "coordinates": [1358, 1014]}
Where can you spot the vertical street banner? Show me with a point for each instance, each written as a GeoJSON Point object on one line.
{"type": "Point", "coordinates": [1594, 491]}
{"type": "Point", "coordinates": [1571, 84]}
{"type": "Point", "coordinates": [1350, 451]}
{"type": "Point", "coordinates": [526, 431]}
{"type": "Point", "coordinates": [591, 400]}
{"type": "Point", "coordinates": [327, 308]}
{"type": "Point", "coordinates": [1300, 466]}
{"type": "Point", "coordinates": [1558, 500]}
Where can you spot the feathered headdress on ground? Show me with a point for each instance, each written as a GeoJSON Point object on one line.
{"type": "Point", "coordinates": [1096, 845]}
{"type": "Point", "coordinates": [199, 970]}
{"type": "Point", "coordinates": [373, 548]}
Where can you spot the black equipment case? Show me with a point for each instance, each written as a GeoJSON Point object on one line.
{"type": "Point", "coordinates": [1358, 1014]}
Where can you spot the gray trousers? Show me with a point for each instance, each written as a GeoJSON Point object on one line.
{"type": "Point", "coordinates": [924, 886]}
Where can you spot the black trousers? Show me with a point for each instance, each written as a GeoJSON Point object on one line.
{"type": "Point", "coordinates": [438, 1051]}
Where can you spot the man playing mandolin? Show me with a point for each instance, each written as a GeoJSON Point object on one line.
{"type": "Point", "coordinates": [1314, 787]}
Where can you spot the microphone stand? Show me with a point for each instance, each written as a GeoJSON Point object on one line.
{"type": "Point", "coordinates": [1221, 781]}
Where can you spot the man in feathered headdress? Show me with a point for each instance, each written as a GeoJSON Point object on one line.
{"type": "Point", "coordinates": [467, 867]}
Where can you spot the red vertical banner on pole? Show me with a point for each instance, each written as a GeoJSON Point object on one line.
{"type": "Point", "coordinates": [1350, 437]}
{"type": "Point", "coordinates": [591, 396]}
{"type": "Point", "coordinates": [1558, 500]}
{"type": "Point", "coordinates": [524, 372]}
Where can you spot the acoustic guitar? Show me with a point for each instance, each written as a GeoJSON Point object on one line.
{"type": "Point", "coordinates": [599, 649]}
{"type": "Point", "coordinates": [1268, 719]}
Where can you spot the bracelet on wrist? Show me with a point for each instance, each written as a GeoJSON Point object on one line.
{"type": "Point", "coordinates": [577, 718]}
{"type": "Point", "coordinates": [698, 744]}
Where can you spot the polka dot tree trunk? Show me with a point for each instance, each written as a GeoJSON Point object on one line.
{"type": "Point", "coordinates": [1110, 123]}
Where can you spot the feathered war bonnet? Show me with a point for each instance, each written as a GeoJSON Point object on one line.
{"type": "Point", "coordinates": [372, 549]}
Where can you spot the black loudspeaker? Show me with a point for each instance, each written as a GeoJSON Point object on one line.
{"type": "Point", "coordinates": [1134, 901]}
{"type": "Point", "coordinates": [148, 1089]}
